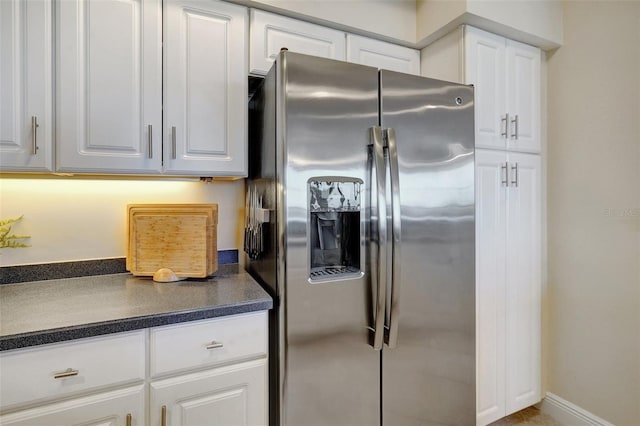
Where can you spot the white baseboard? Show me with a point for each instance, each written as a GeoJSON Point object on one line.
{"type": "Point", "coordinates": [569, 414]}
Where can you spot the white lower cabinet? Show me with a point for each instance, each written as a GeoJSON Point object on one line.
{"type": "Point", "coordinates": [123, 407]}
{"type": "Point", "coordinates": [508, 283]}
{"type": "Point", "coordinates": [224, 396]}
{"type": "Point", "coordinates": [211, 372]}
{"type": "Point", "coordinates": [101, 379]}
{"type": "Point", "coordinates": [216, 372]}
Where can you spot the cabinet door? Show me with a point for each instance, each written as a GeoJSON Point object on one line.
{"type": "Point", "coordinates": [379, 54]}
{"type": "Point", "coordinates": [109, 86]}
{"type": "Point", "coordinates": [523, 96]}
{"type": "Point", "coordinates": [26, 85]}
{"type": "Point", "coordinates": [205, 88]}
{"type": "Point", "coordinates": [270, 33]}
{"type": "Point", "coordinates": [485, 69]}
{"type": "Point", "coordinates": [491, 225]}
{"type": "Point", "coordinates": [523, 302]}
{"type": "Point", "coordinates": [231, 395]}
{"type": "Point", "coordinates": [104, 409]}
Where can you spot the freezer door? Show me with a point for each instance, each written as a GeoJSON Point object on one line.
{"type": "Point", "coordinates": [330, 374]}
{"type": "Point", "coordinates": [428, 368]}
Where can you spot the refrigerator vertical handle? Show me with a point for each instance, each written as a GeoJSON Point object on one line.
{"type": "Point", "coordinates": [379, 275]}
{"type": "Point", "coordinates": [391, 337]}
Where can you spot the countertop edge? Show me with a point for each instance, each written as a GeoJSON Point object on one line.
{"type": "Point", "coordinates": [37, 338]}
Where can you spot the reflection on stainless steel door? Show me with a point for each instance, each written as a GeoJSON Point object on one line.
{"type": "Point", "coordinates": [331, 373]}
{"type": "Point", "coordinates": [429, 377]}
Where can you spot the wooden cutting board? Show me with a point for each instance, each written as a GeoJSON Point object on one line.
{"type": "Point", "coordinates": [180, 237]}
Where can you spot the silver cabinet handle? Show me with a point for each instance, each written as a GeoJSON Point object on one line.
{"type": "Point", "coordinates": [163, 418]}
{"type": "Point", "coordinates": [514, 168]}
{"type": "Point", "coordinates": [128, 420]}
{"type": "Point", "coordinates": [150, 140]}
{"type": "Point", "coordinates": [505, 119]}
{"type": "Point", "coordinates": [379, 277]}
{"type": "Point", "coordinates": [514, 121]}
{"type": "Point", "coordinates": [34, 135]}
{"type": "Point", "coordinates": [214, 345]}
{"type": "Point", "coordinates": [505, 167]}
{"type": "Point", "coordinates": [173, 142]}
{"type": "Point", "coordinates": [391, 337]}
{"type": "Point", "coordinates": [69, 372]}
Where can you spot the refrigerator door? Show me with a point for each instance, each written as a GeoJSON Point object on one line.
{"type": "Point", "coordinates": [428, 368]}
{"type": "Point", "coordinates": [330, 373]}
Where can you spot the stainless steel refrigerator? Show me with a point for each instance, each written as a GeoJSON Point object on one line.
{"type": "Point", "coordinates": [368, 250]}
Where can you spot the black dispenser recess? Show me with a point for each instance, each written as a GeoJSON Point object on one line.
{"type": "Point", "coordinates": [334, 227]}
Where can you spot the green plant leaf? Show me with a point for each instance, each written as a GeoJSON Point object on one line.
{"type": "Point", "coordinates": [8, 240]}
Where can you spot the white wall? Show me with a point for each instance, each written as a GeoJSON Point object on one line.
{"type": "Point", "coordinates": [593, 336]}
{"type": "Point", "coordinates": [81, 219]}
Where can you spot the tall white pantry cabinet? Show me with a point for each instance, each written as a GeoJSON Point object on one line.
{"type": "Point", "coordinates": [506, 77]}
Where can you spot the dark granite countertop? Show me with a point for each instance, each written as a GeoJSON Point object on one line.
{"type": "Point", "coordinates": [35, 313]}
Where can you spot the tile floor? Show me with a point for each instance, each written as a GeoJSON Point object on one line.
{"type": "Point", "coordinates": [528, 417]}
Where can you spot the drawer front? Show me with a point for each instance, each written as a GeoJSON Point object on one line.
{"type": "Point", "coordinates": [35, 374]}
{"type": "Point", "coordinates": [207, 342]}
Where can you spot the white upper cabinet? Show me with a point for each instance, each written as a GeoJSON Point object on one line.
{"type": "Point", "coordinates": [506, 76]}
{"type": "Point", "coordinates": [26, 86]}
{"type": "Point", "coordinates": [507, 82]}
{"type": "Point", "coordinates": [380, 54]}
{"type": "Point", "coordinates": [523, 96]}
{"type": "Point", "coordinates": [205, 88]}
{"type": "Point", "coordinates": [270, 33]}
{"type": "Point", "coordinates": [109, 86]}
{"type": "Point", "coordinates": [485, 69]}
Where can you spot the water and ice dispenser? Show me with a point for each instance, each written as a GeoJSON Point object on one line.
{"type": "Point", "coordinates": [334, 227]}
